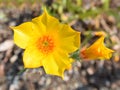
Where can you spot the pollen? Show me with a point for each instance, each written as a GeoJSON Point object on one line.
{"type": "Point", "coordinates": [45, 44]}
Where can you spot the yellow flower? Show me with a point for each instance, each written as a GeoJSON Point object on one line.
{"type": "Point", "coordinates": [97, 50]}
{"type": "Point", "coordinates": [47, 43]}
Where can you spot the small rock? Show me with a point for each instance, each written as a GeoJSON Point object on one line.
{"type": "Point", "coordinates": [13, 58]}
{"type": "Point", "coordinates": [8, 44]}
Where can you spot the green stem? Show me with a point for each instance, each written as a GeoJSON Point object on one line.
{"type": "Point", "coordinates": [23, 70]}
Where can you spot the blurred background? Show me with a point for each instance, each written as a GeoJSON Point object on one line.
{"type": "Point", "coordinates": [87, 16]}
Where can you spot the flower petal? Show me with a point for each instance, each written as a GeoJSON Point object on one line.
{"type": "Point", "coordinates": [77, 40]}
{"type": "Point", "coordinates": [49, 21]}
{"type": "Point", "coordinates": [32, 58]}
{"type": "Point", "coordinates": [21, 34]}
{"type": "Point", "coordinates": [63, 59]}
{"type": "Point", "coordinates": [67, 34]}
{"type": "Point", "coordinates": [69, 46]}
{"type": "Point", "coordinates": [51, 66]}
{"type": "Point", "coordinates": [38, 25]}
{"type": "Point", "coordinates": [56, 64]}
{"type": "Point", "coordinates": [67, 31]}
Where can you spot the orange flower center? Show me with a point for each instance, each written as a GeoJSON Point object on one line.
{"type": "Point", "coordinates": [45, 44]}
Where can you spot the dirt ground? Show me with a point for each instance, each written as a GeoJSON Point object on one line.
{"type": "Point", "coordinates": [84, 75]}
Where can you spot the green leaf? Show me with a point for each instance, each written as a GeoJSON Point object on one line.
{"type": "Point", "coordinates": [75, 55]}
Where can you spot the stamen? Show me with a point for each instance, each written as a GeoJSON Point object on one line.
{"type": "Point", "coordinates": [45, 44]}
